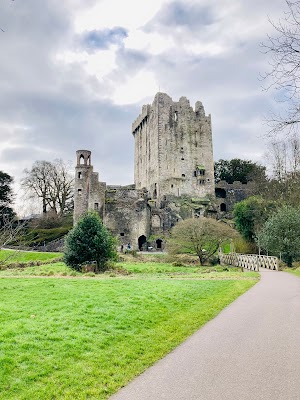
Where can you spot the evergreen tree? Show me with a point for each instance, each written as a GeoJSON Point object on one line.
{"type": "Point", "coordinates": [6, 198]}
{"type": "Point", "coordinates": [89, 241]}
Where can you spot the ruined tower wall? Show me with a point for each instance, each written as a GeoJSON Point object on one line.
{"type": "Point", "coordinates": [127, 214]}
{"type": "Point", "coordinates": [173, 148]}
{"type": "Point", "coordinates": [89, 193]}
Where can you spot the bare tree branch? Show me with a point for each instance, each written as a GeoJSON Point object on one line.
{"type": "Point", "coordinates": [284, 74]}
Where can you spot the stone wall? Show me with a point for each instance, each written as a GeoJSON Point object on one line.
{"type": "Point", "coordinates": [228, 194]}
{"type": "Point", "coordinates": [127, 214]}
{"type": "Point", "coordinates": [173, 149]}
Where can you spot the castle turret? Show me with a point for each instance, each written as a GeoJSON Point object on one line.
{"type": "Point", "coordinates": [83, 172]}
{"type": "Point", "coordinates": [89, 192]}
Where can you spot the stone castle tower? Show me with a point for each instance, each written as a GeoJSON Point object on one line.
{"type": "Point", "coordinates": [89, 192]}
{"type": "Point", "coordinates": [173, 173]}
{"type": "Point", "coordinates": [173, 149]}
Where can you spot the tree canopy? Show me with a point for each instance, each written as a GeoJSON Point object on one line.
{"type": "Point", "coordinates": [201, 236]}
{"type": "Point", "coordinates": [280, 234]}
{"type": "Point", "coordinates": [89, 241]}
{"type": "Point", "coordinates": [6, 198]}
{"type": "Point", "coordinates": [238, 170]}
{"type": "Point", "coordinates": [250, 215]}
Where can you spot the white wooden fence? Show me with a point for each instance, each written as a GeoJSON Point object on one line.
{"type": "Point", "coordinates": [249, 261]}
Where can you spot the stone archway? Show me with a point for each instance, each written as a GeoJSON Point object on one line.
{"type": "Point", "coordinates": [142, 240]}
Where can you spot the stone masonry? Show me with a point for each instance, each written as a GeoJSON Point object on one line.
{"type": "Point", "coordinates": [173, 149]}
{"type": "Point", "coordinates": [173, 173]}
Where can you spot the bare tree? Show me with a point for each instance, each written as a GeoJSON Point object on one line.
{"type": "Point", "coordinates": [284, 74]}
{"type": "Point", "coordinates": [201, 236]}
{"type": "Point", "coordinates": [50, 182]}
{"type": "Point", "coordinates": [11, 231]}
{"type": "Point", "coordinates": [284, 156]}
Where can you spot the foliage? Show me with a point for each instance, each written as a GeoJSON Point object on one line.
{"type": "Point", "coordinates": [39, 237]}
{"type": "Point", "coordinates": [85, 339]}
{"type": "Point", "coordinates": [243, 246]}
{"type": "Point", "coordinates": [200, 236]}
{"type": "Point", "coordinates": [6, 198]}
{"type": "Point", "coordinates": [284, 74]}
{"type": "Point", "coordinates": [238, 170]}
{"type": "Point", "coordinates": [250, 215]}
{"type": "Point", "coordinates": [280, 234]}
{"type": "Point", "coordinates": [50, 221]}
{"type": "Point", "coordinates": [52, 183]}
{"type": "Point", "coordinates": [89, 241]}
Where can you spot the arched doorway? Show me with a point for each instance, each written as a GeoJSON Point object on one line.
{"type": "Point", "coordinates": [159, 244]}
{"type": "Point", "coordinates": [142, 240]}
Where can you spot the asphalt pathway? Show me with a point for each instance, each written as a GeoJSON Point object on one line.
{"type": "Point", "coordinates": [251, 350]}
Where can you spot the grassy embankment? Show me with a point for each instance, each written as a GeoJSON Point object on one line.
{"type": "Point", "coordinates": [86, 338]}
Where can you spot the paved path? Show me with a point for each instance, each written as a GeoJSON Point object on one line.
{"type": "Point", "coordinates": [251, 350]}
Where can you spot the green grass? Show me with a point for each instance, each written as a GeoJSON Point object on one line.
{"type": "Point", "coordinates": [164, 269]}
{"type": "Point", "coordinates": [86, 338]}
{"type": "Point", "coordinates": [53, 269]}
{"type": "Point", "coordinates": [148, 270]}
{"type": "Point", "coordinates": [294, 272]}
{"type": "Point", "coordinates": [14, 256]}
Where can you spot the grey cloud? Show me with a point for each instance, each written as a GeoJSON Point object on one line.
{"type": "Point", "coordinates": [182, 14]}
{"type": "Point", "coordinates": [47, 109]}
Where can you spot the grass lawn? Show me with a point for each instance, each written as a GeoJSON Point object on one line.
{"type": "Point", "coordinates": [15, 256]}
{"type": "Point", "coordinates": [294, 272]}
{"type": "Point", "coordinates": [85, 338]}
{"type": "Point", "coordinates": [146, 270]}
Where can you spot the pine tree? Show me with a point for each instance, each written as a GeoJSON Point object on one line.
{"type": "Point", "coordinates": [89, 241]}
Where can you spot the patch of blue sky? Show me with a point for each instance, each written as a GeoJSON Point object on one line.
{"type": "Point", "coordinates": [103, 39]}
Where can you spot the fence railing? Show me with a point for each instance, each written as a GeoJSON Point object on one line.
{"type": "Point", "coordinates": [249, 261]}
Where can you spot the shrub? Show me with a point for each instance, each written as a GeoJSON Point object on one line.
{"type": "Point", "coordinates": [89, 241]}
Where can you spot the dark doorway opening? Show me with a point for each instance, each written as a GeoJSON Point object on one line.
{"type": "Point", "coordinates": [142, 241]}
{"type": "Point", "coordinates": [223, 207]}
{"type": "Point", "coordinates": [159, 244]}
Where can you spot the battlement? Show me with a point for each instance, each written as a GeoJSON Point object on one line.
{"type": "Point", "coordinates": [234, 185]}
{"type": "Point", "coordinates": [141, 118]}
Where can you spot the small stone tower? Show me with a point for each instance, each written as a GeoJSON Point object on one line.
{"type": "Point", "coordinates": [89, 192]}
{"type": "Point", "coordinates": [173, 149]}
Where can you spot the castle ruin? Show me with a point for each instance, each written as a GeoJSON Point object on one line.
{"type": "Point", "coordinates": [173, 175]}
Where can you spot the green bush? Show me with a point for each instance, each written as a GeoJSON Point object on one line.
{"type": "Point", "coordinates": [89, 241]}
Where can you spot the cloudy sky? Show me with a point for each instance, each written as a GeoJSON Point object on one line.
{"type": "Point", "coordinates": [75, 73]}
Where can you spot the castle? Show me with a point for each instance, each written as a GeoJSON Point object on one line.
{"type": "Point", "coordinates": [173, 176]}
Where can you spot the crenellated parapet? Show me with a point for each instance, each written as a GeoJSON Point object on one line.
{"type": "Point", "coordinates": [234, 185]}
{"type": "Point", "coordinates": [142, 118]}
